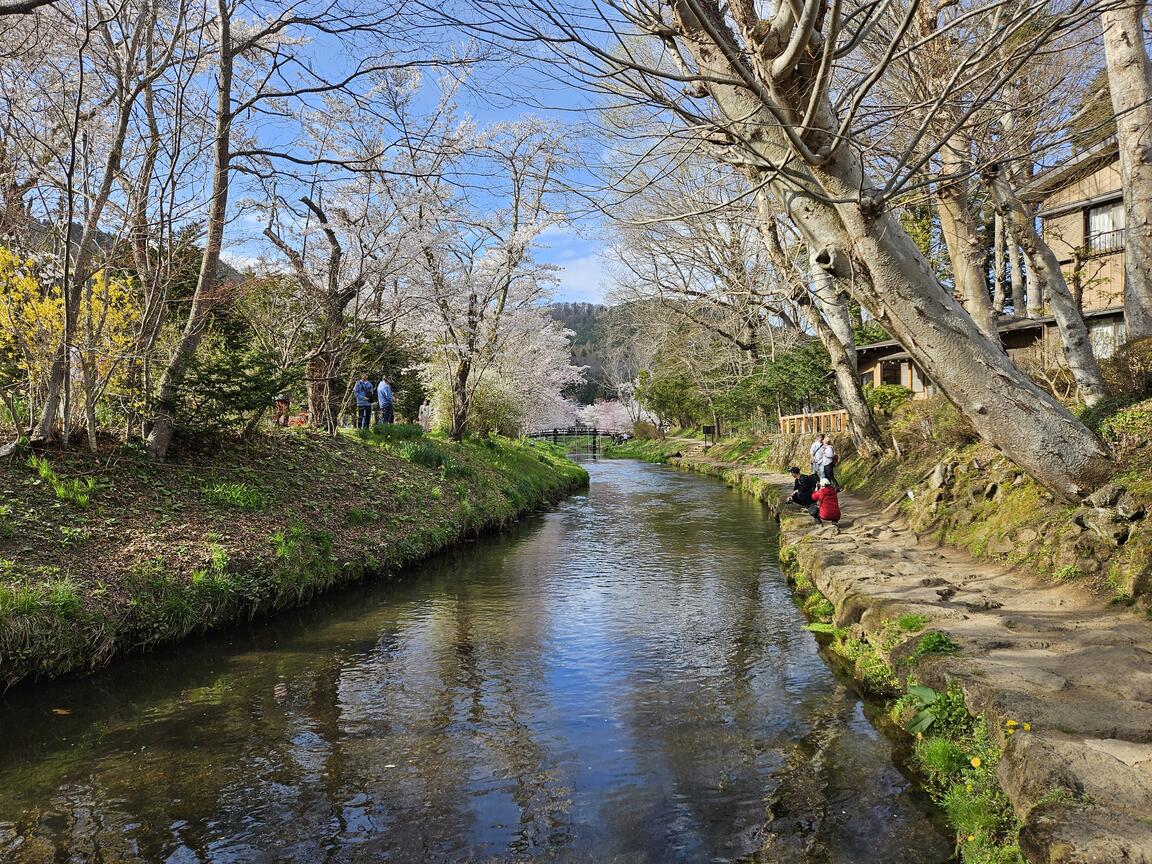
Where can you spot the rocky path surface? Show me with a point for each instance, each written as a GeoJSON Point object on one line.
{"type": "Point", "coordinates": [1077, 670]}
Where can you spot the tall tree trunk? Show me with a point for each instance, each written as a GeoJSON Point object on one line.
{"type": "Point", "coordinates": [861, 424]}
{"type": "Point", "coordinates": [1044, 263]}
{"type": "Point", "coordinates": [204, 296]}
{"type": "Point", "coordinates": [88, 370]}
{"type": "Point", "coordinates": [831, 320]}
{"type": "Point", "coordinates": [998, 294]}
{"type": "Point", "coordinates": [460, 398]}
{"type": "Point", "coordinates": [1016, 280]}
{"type": "Point", "coordinates": [76, 275]}
{"type": "Point", "coordinates": [1035, 288]}
{"type": "Point", "coordinates": [1130, 82]}
{"type": "Point", "coordinates": [965, 249]}
{"type": "Point", "coordinates": [854, 236]}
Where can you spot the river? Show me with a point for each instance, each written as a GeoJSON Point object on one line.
{"type": "Point", "coordinates": [622, 679]}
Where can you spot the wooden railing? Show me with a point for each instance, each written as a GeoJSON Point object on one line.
{"type": "Point", "coordinates": [825, 421]}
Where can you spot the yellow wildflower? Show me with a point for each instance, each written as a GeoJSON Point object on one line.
{"type": "Point", "coordinates": [1011, 723]}
{"type": "Point", "coordinates": [975, 760]}
{"type": "Point", "coordinates": [971, 837]}
{"type": "Point", "coordinates": [1027, 727]}
{"type": "Point", "coordinates": [1010, 731]}
{"type": "Point", "coordinates": [919, 736]}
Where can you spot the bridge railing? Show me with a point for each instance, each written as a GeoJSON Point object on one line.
{"type": "Point", "coordinates": [577, 432]}
{"type": "Point", "coordinates": [823, 421]}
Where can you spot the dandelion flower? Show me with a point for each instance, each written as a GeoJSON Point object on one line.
{"type": "Point", "coordinates": [971, 837]}
{"type": "Point", "coordinates": [1011, 723]}
{"type": "Point", "coordinates": [1010, 731]}
{"type": "Point", "coordinates": [1027, 727]}
{"type": "Point", "coordinates": [975, 760]}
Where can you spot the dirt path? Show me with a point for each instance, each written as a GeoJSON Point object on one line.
{"type": "Point", "coordinates": [1077, 670]}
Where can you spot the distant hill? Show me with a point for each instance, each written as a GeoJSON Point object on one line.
{"type": "Point", "coordinates": [587, 322]}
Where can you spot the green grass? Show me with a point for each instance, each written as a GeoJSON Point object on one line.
{"type": "Point", "coordinates": [74, 490]}
{"type": "Point", "coordinates": [53, 622]}
{"type": "Point", "coordinates": [911, 622]}
{"type": "Point", "coordinates": [383, 433]}
{"type": "Point", "coordinates": [935, 642]}
{"type": "Point", "coordinates": [235, 496]}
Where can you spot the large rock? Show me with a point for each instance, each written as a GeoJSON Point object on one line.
{"type": "Point", "coordinates": [1106, 496]}
{"type": "Point", "coordinates": [1107, 525]}
{"type": "Point", "coordinates": [1127, 507]}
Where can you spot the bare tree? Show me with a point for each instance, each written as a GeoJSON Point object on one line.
{"type": "Point", "coordinates": [786, 97]}
{"type": "Point", "coordinates": [259, 70]}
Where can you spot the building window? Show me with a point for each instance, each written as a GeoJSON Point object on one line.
{"type": "Point", "coordinates": [893, 372]}
{"type": "Point", "coordinates": [1104, 231]}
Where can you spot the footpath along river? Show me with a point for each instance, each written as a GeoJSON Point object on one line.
{"type": "Point", "coordinates": [623, 679]}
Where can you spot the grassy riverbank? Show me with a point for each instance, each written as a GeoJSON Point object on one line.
{"type": "Point", "coordinates": [106, 553]}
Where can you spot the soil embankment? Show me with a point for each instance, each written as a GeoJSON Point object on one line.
{"type": "Point", "coordinates": [106, 553]}
{"type": "Point", "coordinates": [1054, 656]}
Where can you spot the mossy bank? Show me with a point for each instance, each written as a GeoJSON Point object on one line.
{"type": "Point", "coordinates": [102, 554]}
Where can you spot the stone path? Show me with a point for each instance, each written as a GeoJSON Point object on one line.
{"type": "Point", "coordinates": [1079, 671]}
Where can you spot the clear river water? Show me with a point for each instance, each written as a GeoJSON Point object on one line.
{"type": "Point", "coordinates": [622, 679]}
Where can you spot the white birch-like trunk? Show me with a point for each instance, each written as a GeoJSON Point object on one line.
{"type": "Point", "coordinates": [1016, 281]}
{"type": "Point", "coordinates": [1044, 263]}
{"type": "Point", "coordinates": [998, 294]}
{"type": "Point", "coordinates": [163, 424]}
{"type": "Point", "coordinates": [1004, 406]}
{"type": "Point", "coordinates": [1130, 82]}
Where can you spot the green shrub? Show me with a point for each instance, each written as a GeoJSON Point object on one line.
{"type": "Point", "coordinates": [934, 420]}
{"type": "Point", "coordinates": [454, 470]}
{"type": "Point", "coordinates": [1128, 372]}
{"type": "Point", "coordinates": [886, 398]}
{"type": "Point", "coordinates": [75, 490]}
{"type": "Point", "coordinates": [941, 758]}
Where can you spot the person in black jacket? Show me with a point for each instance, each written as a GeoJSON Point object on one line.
{"type": "Point", "coordinates": [803, 485]}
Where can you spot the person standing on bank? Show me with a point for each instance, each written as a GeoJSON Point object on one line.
{"type": "Point", "coordinates": [828, 460]}
{"type": "Point", "coordinates": [827, 503]}
{"type": "Point", "coordinates": [425, 416]}
{"type": "Point", "coordinates": [387, 401]}
{"type": "Point", "coordinates": [363, 391]}
{"type": "Point", "coordinates": [815, 453]}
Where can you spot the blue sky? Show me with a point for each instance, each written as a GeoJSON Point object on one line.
{"type": "Point", "coordinates": [492, 94]}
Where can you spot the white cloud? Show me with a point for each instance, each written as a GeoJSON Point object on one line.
{"type": "Point", "coordinates": [581, 279]}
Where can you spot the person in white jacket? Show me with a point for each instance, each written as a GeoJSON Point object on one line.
{"type": "Point", "coordinates": [828, 460]}
{"type": "Point", "coordinates": [815, 452]}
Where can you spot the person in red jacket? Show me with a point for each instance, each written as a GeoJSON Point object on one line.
{"type": "Point", "coordinates": [827, 506]}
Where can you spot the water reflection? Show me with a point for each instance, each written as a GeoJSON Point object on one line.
{"type": "Point", "coordinates": [624, 679]}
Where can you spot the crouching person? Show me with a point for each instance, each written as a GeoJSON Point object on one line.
{"type": "Point", "coordinates": [826, 506]}
{"type": "Point", "coordinates": [803, 485]}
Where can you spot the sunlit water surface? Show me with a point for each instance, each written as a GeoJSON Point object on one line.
{"type": "Point", "coordinates": [623, 679]}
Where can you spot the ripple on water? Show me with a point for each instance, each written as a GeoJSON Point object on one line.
{"type": "Point", "coordinates": [623, 679]}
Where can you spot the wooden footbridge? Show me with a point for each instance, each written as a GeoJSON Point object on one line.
{"type": "Point", "coordinates": [555, 435]}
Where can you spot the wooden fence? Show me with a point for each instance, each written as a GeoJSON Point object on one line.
{"type": "Point", "coordinates": [825, 421]}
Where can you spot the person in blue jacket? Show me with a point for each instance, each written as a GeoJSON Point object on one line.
{"type": "Point", "coordinates": [363, 391]}
{"type": "Point", "coordinates": [386, 400]}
